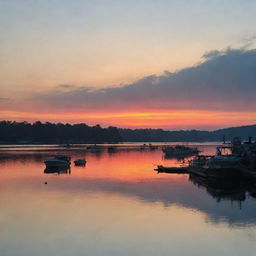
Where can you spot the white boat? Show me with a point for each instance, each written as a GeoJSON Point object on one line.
{"type": "Point", "coordinates": [58, 161]}
{"type": "Point", "coordinates": [218, 166]}
{"type": "Point", "coordinates": [224, 161]}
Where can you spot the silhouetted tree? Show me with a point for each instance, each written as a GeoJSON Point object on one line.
{"type": "Point", "coordinates": [49, 133]}
{"type": "Point", "coordinates": [38, 132]}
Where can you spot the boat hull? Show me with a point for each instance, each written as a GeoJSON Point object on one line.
{"type": "Point", "coordinates": [56, 163]}
{"type": "Point", "coordinates": [247, 173]}
{"type": "Point", "coordinates": [172, 169]}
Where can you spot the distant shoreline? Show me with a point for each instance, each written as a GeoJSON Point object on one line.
{"type": "Point", "coordinates": [24, 133]}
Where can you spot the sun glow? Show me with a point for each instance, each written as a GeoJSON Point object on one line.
{"type": "Point", "coordinates": [184, 119]}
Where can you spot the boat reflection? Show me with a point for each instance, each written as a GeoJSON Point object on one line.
{"type": "Point", "coordinates": [57, 170]}
{"type": "Point", "coordinates": [129, 175]}
{"type": "Point", "coordinates": [232, 190]}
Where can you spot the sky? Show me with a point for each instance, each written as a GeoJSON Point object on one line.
{"type": "Point", "coordinates": [162, 64]}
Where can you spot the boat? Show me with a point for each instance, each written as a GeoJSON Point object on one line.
{"type": "Point", "coordinates": [179, 150]}
{"type": "Point", "coordinates": [217, 166]}
{"type": "Point", "coordinates": [197, 165]}
{"type": "Point", "coordinates": [231, 161]}
{"type": "Point", "coordinates": [94, 148]}
{"type": "Point", "coordinates": [199, 160]}
{"type": "Point", "coordinates": [181, 169]}
{"type": "Point", "coordinates": [80, 162]}
{"type": "Point", "coordinates": [226, 161]}
{"type": "Point", "coordinates": [247, 172]}
{"type": "Point", "coordinates": [112, 149]}
{"type": "Point", "coordinates": [58, 161]}
{"type": "Point", "coordinates": [152, 147]}
{"type": "Point", "coordinates": [223, 166]}
{"type": "Point", "coordinates": [143, 147]}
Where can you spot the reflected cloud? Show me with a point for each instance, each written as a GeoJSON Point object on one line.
{"type": "Point", "coordinates": [128, 174]}
{"type": "Point", "coordinates": [235, 207]}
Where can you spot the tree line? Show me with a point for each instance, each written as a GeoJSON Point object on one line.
{"type": "Point", "coordinates": [160, 135]}
{"type": "Point", "coordinates": [51, 133]}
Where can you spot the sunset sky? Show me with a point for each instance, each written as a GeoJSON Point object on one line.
{"type": "Point", "coordinates": [171, 64]}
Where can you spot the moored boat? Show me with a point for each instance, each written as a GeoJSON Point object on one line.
{"type": "Point", "coordinates": [181, 169]}
{"type": "Point", "coordinates": [179, 150]}
{"type": "Point", "coordinates": [94, 148]}
{"type": "Point", "coordinates": [58, 161]}
{"type": "Point", "coordinates": [112, 149]}
{"type": "Point", "coordinates": [218, 166]}
{"type": "Point", "coordinates": [80, 162]}
{"type": "Point", "coordinates": [152, 147]}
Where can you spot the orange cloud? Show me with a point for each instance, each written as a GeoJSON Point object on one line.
{"type": "Point", "coordinates": [184, 119]}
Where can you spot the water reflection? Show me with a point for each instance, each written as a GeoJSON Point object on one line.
{"type": "Point", "coordinates": [233, 190]}
{"type": "Point", "coordinates": [57, 170]}
{"type": "Point", "coordinates": [178, 158]}
{"type": "Point", "coordinates": [120, 202]}
{"type": "Point", "coordinates": [23, 157]}
{"type": "Point", "coordinates": [131, 174]}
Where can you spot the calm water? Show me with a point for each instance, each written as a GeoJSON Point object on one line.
{"type": "Point", "coordinates": [118, 205]}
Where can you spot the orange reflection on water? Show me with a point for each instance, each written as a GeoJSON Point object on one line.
{"type": "Point", "coordinates": [133, 166]}
{"type": "Point", "coordinates": [116, 205]}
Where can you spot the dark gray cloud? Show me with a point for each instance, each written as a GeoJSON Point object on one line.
{"type": "Point", "coordinates": [211, 54]}
{"type": "Point", "coordinates": [225, 80]}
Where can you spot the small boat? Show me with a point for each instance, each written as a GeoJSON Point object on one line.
{"type": "Point", "coordinates": [80, 162]}
{"type": "Point", "coordinates": [181, 169]}
{"type": "Point", "coordinates": [94, 148]}
{"type": "Point", "coordinates": [199, 161]}
{"type": "Point", "coordinates": [143, 147]}
{"type": "Point", "coordinates": [152, 147]}
{"type": "Point", "coordinates": [57, 161]}
{"type": "Point", "coordinates": [111, 149]}
{"type": "Point", "coordinates": [179, 150]}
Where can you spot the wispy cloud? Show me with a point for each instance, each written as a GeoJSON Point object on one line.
{"type": "Point", "coordinates": [249, 41]}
